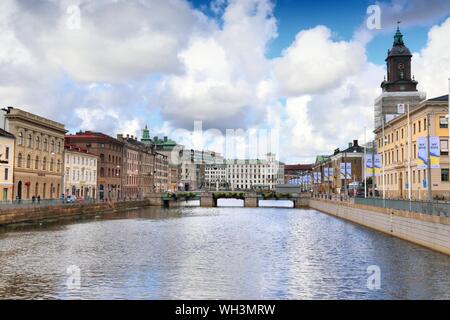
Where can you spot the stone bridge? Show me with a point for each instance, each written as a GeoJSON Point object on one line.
{"type": "Point", "coordinates": [209, 199]}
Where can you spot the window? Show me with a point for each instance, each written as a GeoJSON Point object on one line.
{"type": "Point", "coordinates": [36, 164]}
{"type": "Point", "coordinates": [414, 128]}
{"type": "Point", "coordinates": [38, 142]}
{"type": "Point", "coordinates": [51, 165]}
{"type": "Point", "coordinates": [30, 140]}
{"type": "Point", "coordinates": [444, 147]}
{"type": "Point", "coordinates": [45, 144]}
{"type": "Point", "coordinates": [52, 145]}
{"type": "Point", "coordinates": [28, 161]}
{"type": "Point", "coordinates": [443, 122]}
{"type": "Point", "coordinates": [444, 175]}
{"type": "Point", "coordinates": [7, 153]}
{"type": "Point", "coordinates": [19, 160]}
{"type": "Point", "coordinates": [425, 124]}
{"type": "Point", "coordinates": [58, 165]}
{"type": "Point", "coordinates": [6, 174]}
{"type": "Point", "coordinates": [20, 140]}
{"type": "Point", "coordinates": [44, 164]}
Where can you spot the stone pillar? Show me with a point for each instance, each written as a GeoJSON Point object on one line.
{"type": "Point", "coordinates": [251, 200]}
{"type": "Point", "coordinates": [207, 200]}
{"type": "Point", "coordinates": [155, 199]}
{"type": "Point", "coordinates": [301, 201]}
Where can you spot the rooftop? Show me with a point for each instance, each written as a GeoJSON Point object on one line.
{"type": "Point", "coordinates": [6, 134]}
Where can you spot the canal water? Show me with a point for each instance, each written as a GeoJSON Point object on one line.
{"type": "Point", "coordinates": [216, 253]}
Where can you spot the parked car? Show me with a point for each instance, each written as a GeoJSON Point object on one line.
{"type": "Point", "coordinates": [71, 199]}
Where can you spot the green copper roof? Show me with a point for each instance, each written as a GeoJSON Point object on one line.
{"type": "Point", "coordinates": [398, 38]}
{"type": "Point", "coordinates": [322, 158]}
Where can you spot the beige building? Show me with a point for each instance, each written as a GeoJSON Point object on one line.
{"type": "Point", "coordinates": [80, 173]}
{"type": "Point", "coordinates": [428, 115]}
{"type": "Point", "coordinates": [6, 165]}
{"type": "Point", "coordinates": [38, 154]}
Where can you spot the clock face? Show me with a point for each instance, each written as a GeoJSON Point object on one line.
{"type": "Point", "coordinates": [401, 66]}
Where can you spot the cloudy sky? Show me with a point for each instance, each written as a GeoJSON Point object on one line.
{"type": "Point", "coordinates": [309, 72]}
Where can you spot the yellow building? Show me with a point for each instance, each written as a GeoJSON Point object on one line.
{"type": "Point", "coordinates": [6, 165]}
{"type": "Point", "coordinates": [38, 154]}
{"type": "Point", "coordinates": [394, 152]}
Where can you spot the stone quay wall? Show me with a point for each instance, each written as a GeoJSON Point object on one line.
{"type": "Point", "coordinates": [429, 231]}
{"type": "Point", "coordinates": [39, 213]}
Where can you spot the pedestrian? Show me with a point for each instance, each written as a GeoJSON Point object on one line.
{"type": "Point", "coordinates": [39, 199]}
{"type": "Point", "coordinates": [33, 199]}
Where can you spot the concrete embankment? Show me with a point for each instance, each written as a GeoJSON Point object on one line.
{"type": "Point", "coordinates": [39, 213]}
{"type": "Point", "coordinates": [429, 231]}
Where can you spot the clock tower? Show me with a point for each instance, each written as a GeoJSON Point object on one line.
{"type": "Point", "coordinates": [398, 63]}
{"type": "Point", "coordinates": [399, 87]}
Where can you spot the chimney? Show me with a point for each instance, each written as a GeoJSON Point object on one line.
{"type": "Point", "coordinates": [355, 143]}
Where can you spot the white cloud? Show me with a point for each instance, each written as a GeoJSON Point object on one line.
{"type": "Point", "coordinates": [225, 78]}
{"type": "Point", "coordinates": [432, 65]}
{"type": "Point", "coordinates": [314, 62]}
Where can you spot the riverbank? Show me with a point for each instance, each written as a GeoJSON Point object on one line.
{"type": "Point", "coordinates": [426, 230]}
{"type": "Point", "coordinates": [42, 213]}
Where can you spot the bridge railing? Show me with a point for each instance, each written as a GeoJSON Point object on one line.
{"type": "Point", "coordinates": [438, 208]}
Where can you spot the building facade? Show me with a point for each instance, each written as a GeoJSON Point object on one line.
{"type": "Point", "coordinates": [7, 141]}
{"type": "Point", "coordinates": [110, 162]}
{"type": "Point", "coordinates": [80, 173]}
{"type": "Point", "coordinates": [216, 176]}
{"type": "Point", "coordinates": [245, 174]}
{"type": "Point", "coordinates": [161, 171]}
{"type": "Point", "coordinates": [430, 118]}
{"type": "Point", "coordinates": [38, 154]}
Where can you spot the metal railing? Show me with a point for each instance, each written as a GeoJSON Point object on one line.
{"type": "Point", "coordinates": [41, 203]}
{"type": "Point", "coordinates": [437, 208]}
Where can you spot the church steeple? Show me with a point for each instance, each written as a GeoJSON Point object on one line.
{"type": "Point", "coordinates": [398, 63]}
{"type": "Point", "coordinates": [398, 37]}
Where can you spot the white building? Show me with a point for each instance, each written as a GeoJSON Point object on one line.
{"type": "Point", "coordinates": [80, 172]}
{"type": "Point", "coordinates": [216, 176]}
{"type": "Point", "coordinates": [246, 174]}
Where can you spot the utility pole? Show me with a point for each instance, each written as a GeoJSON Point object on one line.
{"type": "Point", "coordinates": [409, 157]}
{"type": "Point", "coordinates": [383, 162]}
{"type": "Point", "coordinates": [364, 164]}
{"type": "Point", "coordinates": [430, 195]}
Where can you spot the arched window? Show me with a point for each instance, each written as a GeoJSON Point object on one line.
{"type": "Point", "coordinates": [58, 164]}
{"type": "Point", "coordinates": [59, 147]}
{"type": "Point", "coordinates": [52, 146]}
{"type": "Point", "coordinates": [102, 172]}
{"type": "Point", "coordinates": [102, 157]}
{"type": "Point", "coordinates": [44, 164]}
{"type": "Point", "coordinates": [28, 161]}
{"type": "Point", "coordinates": [51, 165]}
{"type": "Point", "coordinates": [29, 140]}
{"type": "Point", "coordinates": [20, 140]}
{"type": "Point", "coordinates": [36, 163]}
{"type": "Point", "coordinates": [45, 144]}
{"type": "Point", "coordinates": [19, 160]}
{"type": "Point", "coordinates": [38, 142]}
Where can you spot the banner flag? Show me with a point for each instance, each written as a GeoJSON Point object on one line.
{"type": "Point", "coordinates": [369, 166]}
{"type": "Point", "coordinates": [435, 152]}
{"type": "Point", "coordinates": [377, 165]}
{"type": "Point", "coordinates": [422, 159]}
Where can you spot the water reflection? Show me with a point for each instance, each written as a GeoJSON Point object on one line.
{"type": "Point", "coordinates": [229, 253]}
